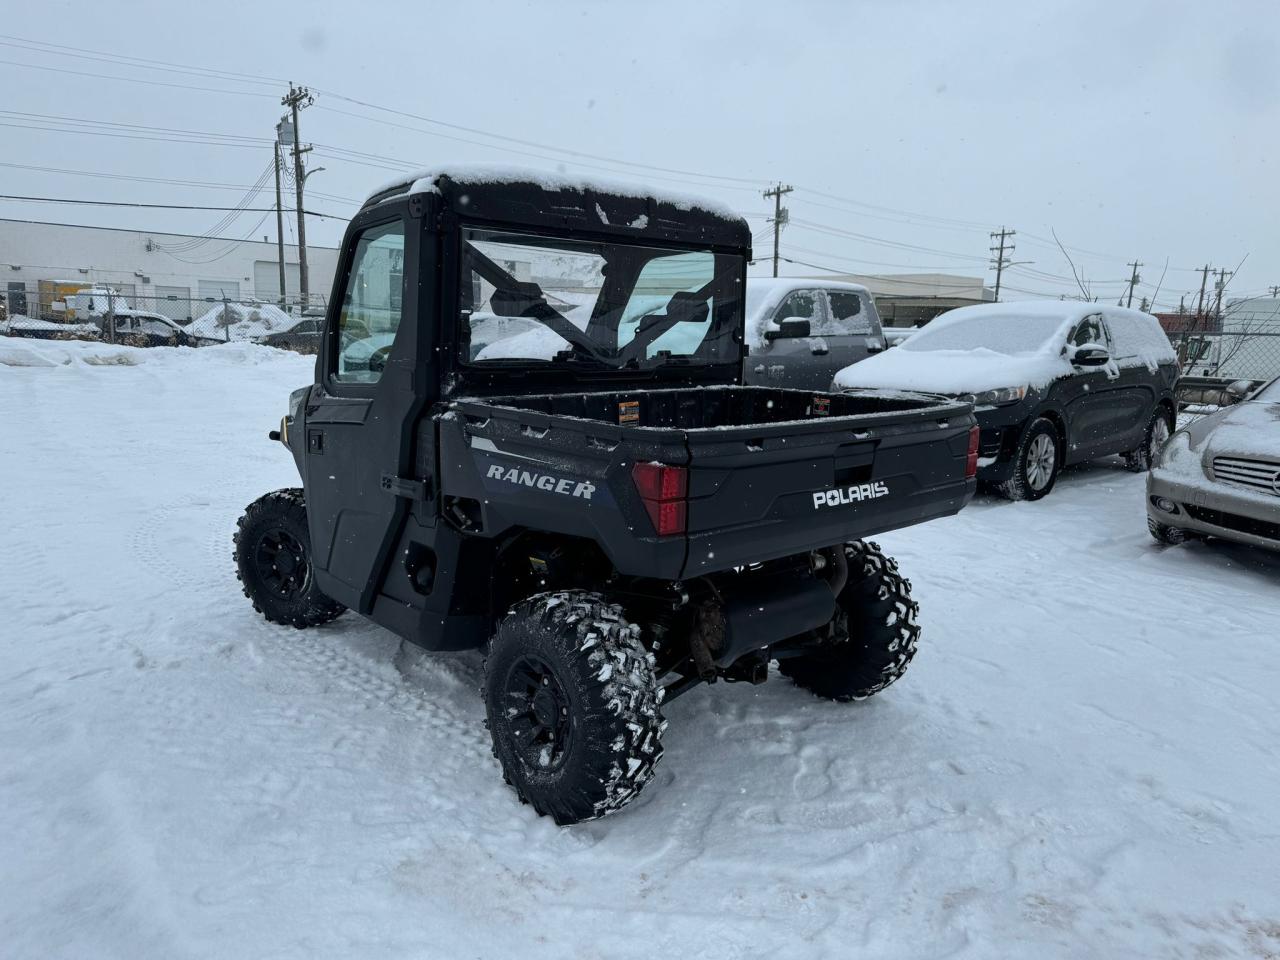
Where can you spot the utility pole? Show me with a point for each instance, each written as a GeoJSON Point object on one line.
{"type": "Point", "coordinates": [779, 218]}
{"type": "Point", "coordinates": [1001, 261]}
{"type": "Point", "coordinates": [1133, 281]}
{"type": "Point", "coordinates": [1204, 281]}
{"type": "Point", "coordinates": [111, 315]}
{"type": "Point", "coordinates": [1219, 289]}
{"type": "Point", "coordinates": [279, 216]}
{"type": "Point", "coordinates": [1275, 290]}
{"type": "Point", "coordinates": [298, 98]}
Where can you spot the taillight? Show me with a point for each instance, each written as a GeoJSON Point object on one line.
{"type": "Point", "coordinates": [663, 489]}
{"type": "Point", "coordinates": [971, 457]}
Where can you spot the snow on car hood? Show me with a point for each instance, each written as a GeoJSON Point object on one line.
{"type": "Point", "coordinates": [953, 371]}
{"type": "Point", "coordinates": [1249, 429]}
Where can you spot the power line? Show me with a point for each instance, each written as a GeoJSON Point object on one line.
{"type": "Point", "coordinates": [149, 83]}
{"type": "Point", "coordinates": [120, 59]}
{"type": "Point", "coordinates": [168, 181]}
{"type": "Point", "coordinates": [157, 206]}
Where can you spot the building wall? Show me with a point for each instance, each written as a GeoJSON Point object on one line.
{"type": "Point", "coordinates": [161, 271]}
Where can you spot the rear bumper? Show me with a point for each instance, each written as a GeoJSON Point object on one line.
{"type": "Point", "coordinates": [1213, 510]}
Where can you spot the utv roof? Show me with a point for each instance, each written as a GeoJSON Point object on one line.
{"type": "Point", "coordinates": [492, 192]}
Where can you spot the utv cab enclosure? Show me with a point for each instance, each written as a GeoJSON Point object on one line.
{"type": "Point", "coordinates": [528, 433]}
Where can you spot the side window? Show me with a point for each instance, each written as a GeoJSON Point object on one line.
{"type": "Point", "coordinates": [802, 304]}
{"type": "Point", "coordinates": [371, 304]}
{"type": "Point", "coordinates": [1090, 330]}
{"type": "Point", "coordinates": [848, 318]}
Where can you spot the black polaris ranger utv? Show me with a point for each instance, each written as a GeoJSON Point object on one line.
{"type": "Point", "coordinates": [528, 433]}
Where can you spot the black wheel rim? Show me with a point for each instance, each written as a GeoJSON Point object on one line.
{"type": "Point", "coordinates": [538, 714]}
{"type": "Point", "coordinates": [281, 563]}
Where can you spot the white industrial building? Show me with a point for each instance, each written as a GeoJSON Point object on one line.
{"type": "Point", "coordinates": [174, 274]}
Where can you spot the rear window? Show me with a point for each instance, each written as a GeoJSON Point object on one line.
{"type": "Point", "coordinates": [1002, 333]}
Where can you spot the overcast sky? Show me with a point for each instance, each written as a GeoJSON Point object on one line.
{"type": "Point", "coordinates": [1145, 130]}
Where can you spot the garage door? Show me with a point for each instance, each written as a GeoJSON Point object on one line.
{"type": "Point", "coordinates": [266, 280]}
{"type": "Point", "coordinates": [174, 302]}
{"type": "Point", "coordinates": [218, 289]}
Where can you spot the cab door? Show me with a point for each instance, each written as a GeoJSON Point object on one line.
{"type": "Point", "coordinates": [852, 331]}
{"type": "Point", "coordinates": [798, 362]}
{"type": "Point", "coordinates": [360, 415]}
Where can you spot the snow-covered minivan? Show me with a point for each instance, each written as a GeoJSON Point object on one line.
{"type": "Point", "coordinates": [801, 332]}
{"type": "Point", "coordinates": [1052, 383]}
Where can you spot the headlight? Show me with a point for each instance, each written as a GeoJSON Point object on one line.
{"type": "Point", "coordinates": [296, 400]}
{"type": "Point", "coordinates": [996, 398]}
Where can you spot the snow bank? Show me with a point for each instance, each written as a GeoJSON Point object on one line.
{"type": "Point", "coordinates": [29, 352]}
{"type": "Point", "coordinates": [424, 181]}
{"type": "Point", "coordinates": [246, 322]}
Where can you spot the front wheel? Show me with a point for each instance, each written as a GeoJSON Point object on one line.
{"type": "Point", "coordinates": [572, 703]}
{"type": "Point", "coordinates": [1163, 533]}
{"type": "Point", "coordinates": [1036, 466]}
{"type": "Point", "coordinates": [273, 562]}
{"type": "Point", "coordinates": [1159, 428]}
{"type": "Point", "coordinates": [872, 638]}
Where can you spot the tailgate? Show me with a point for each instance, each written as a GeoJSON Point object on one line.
{"type": "Point", "coordinates": [772, 490]}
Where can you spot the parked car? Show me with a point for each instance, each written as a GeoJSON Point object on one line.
{"type": "Point", "coordinates": [1220, 476]}
{"type": "Point", "coordinates": [303, 336]}
{"type": "Point", "coordinates": [142, 328]}
{"type": "Point", "coordinates": [1053, 383]}
{"type": "Point", "coordinates": [606, 509]}
{"type": "Point", "coordinates": [802, 332]}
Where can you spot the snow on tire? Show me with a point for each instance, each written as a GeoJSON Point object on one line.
{"type": "Point", "coordinates": [1037, 463]}
{"type": "Point", "coordinates": [872, 638]}
{"type": "Point", "coordinates": [572, 703]}
{"type": "Point", "coordinates": [273, 561]}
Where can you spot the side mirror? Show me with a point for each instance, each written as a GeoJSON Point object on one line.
{"type": "Point", "coordinates": [1238, 390]}
{"type": "Point", "coordinates": [790, 328]}
{"type": "Point", "coordinates": [1090, 355]}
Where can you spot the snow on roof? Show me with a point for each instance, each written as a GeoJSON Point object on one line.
{"type": "Point", "coordinates": [765, 293]}
{"type": "Point", "coordinates": [993, 345]}
{"type": "Point", "coordinates": [424, 181]}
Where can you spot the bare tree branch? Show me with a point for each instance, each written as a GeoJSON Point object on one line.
{"type": "Point", "coordinates": [1071, 263]}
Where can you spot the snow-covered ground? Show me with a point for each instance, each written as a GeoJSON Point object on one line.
{"type": "Point", "coordinates": [1081, 762]}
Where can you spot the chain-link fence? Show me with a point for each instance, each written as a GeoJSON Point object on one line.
{"type": "Point", "coordinates": [104, 314]}
{"type": "Point", "coordinates": [1212, 362]}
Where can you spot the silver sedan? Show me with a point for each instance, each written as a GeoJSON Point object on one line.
{"type": "Point", "coordinates": [1220, 476]}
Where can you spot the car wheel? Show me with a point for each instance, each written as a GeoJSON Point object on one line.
{"type": "Point", "coordinates": [1158, 432]}
{"type": "Point", "coordinates": [1171, 536]}
{"type": "Point", "coordinates": [1035, 469]}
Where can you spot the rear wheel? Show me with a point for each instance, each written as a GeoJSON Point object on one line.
{"type": "Point", "coordinates": [1140, 459]}
{"type": "Point", "coordinates": [872, 638]}
{"type": "Point", "coordinates": [572, 703]}
{"type": "Point", "coordinates": [273, 562]}
{"type": "Point", "coordinates": [1036, 465]}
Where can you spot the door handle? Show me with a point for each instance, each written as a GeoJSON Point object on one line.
{"type": "Point", "coordinates": [875, 349]}
{"type": "Point", "coordinates": [819, 351]}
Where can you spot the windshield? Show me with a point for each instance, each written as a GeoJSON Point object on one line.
{"type": "Point", "coordinates": [531, 299]}
{"type": "Point", "coordinates": [1004, 333]}
{"type": "Point", "coordinates": [1270, 393]}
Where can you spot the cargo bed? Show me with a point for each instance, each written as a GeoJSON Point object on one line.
{"type": "Point", "coordinates": [770, 472]}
